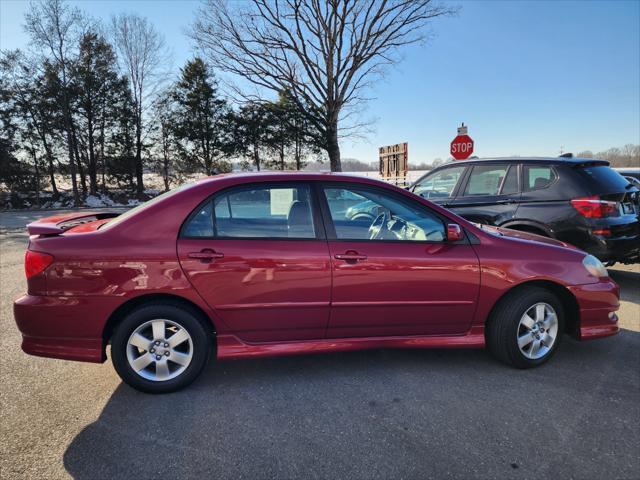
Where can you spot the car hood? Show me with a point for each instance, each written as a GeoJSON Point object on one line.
{"type": "Point", "coordinates": [507, 232]}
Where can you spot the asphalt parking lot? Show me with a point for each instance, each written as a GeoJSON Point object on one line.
{"type": "Point", "coordinates": [371, 414]}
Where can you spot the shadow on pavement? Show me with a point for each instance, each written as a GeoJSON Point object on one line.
{"type": "Point", "coordinates": [382, 413]}
{"type": "Point", "coordinates": [629, 284]}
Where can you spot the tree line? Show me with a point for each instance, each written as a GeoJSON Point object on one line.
{"type": "Point", "coordinates": [89, 103]}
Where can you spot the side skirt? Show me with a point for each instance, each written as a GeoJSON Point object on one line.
{"type": "Point", "coordinates": [231, 347]}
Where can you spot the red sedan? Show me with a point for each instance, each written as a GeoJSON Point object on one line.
{"type": "Point", "coordinates": [257, 265]}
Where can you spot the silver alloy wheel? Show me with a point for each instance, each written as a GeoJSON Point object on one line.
{"type": "Point", "coordinates": [159, 350]}
{"type": "Point", "coordinates": [537, 331]}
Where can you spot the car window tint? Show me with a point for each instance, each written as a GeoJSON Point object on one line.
{"type": "Point", "coordinates": [485, 180]}
{"type": "Point", "coordinates": [439, 184]}
{"type": "Point", "coordinates": [264, 212]}
{"type": "Point", "coordinates": [537, 176]}
{"type": "Point", "coordinates": [510, 184]}
{"type": "Point", "coordinates": [201, 223]}
{"type": "Point", "coordinates": [601, 178]}
{"type": "Point", "coordinates": [360, 213]}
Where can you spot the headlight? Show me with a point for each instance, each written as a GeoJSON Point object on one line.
{"type": "Point", "coordinates": [594, 266]}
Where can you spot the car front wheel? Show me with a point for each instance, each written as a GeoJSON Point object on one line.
{"type": "Point", "coordinates": [160, 348]}
{"type": "Point", "coordinates": [526, 327]}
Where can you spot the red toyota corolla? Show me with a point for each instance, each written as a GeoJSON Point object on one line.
{"type": "Point", "coordinates": [257, 265]}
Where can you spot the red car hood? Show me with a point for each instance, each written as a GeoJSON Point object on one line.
{"type": "Point", "coordinates": [507, 232]}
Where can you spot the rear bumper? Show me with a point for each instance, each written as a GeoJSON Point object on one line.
{"type": "Point", "coordinates": [79, 349]}
{"type": "Point", "coordinates": [598, 303]}
{"type": "Point", "coordinates": [63, 327]}
{"type": "Point", "coordinates": [622, 245]}
{"type": "Point", "coordinates": [621, 249]}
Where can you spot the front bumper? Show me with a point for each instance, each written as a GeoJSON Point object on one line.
{"type": "Point", "coordinates": [597, 303]}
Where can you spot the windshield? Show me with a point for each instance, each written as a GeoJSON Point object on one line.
{"type": "Point", "coordinates": [144, 206]}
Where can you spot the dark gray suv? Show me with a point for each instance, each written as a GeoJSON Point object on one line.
{"type": "Point", "coordinates": [576, 200]}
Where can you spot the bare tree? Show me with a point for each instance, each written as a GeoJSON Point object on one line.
{"type": "Point", "coordinates": [141, 52]}
{"type": "Point", "coordinates": [54, 26]}
{"type": "Point", "coordinates": [324, 52]}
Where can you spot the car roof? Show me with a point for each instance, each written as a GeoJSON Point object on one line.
{"type": "Point", "coordinates": [278, 175]}
{"type": "Point", "coordinates": [547, 160]}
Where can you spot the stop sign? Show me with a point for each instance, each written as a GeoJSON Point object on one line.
{"type": "Point", "coordinates": [461, 147]}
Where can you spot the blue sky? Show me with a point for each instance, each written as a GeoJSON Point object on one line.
{"type": "Point", "coordinates": [526, 77]}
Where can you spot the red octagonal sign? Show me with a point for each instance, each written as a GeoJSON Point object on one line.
{"type": "Point", "coordinates": [461, 147]}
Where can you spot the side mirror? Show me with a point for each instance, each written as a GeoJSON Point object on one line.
{"type": "Point", "coordinates": [454, 232]}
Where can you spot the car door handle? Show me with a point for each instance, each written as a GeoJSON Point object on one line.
{"type": "Point", "coordinates": [205, 255]}
{"type": "Point", "coordinates": [350, 256]}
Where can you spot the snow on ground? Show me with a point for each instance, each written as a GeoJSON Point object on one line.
{"type": "Point", "coordinates": [100, 200]}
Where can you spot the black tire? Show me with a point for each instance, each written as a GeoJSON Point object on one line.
{"type": "Point", "coordinates": [185, 317]}
{"type": "Point", "coordinates": [502, 326]}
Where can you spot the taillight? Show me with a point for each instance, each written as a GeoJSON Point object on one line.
{"type": "Point", "coordinates": [593, 207]}
{"type": "Point", "coordinates": [36, 262]}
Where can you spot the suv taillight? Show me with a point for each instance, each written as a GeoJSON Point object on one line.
{"type": "Point", "coordinates": [36, 262]}
{"type": "Point", "coordinates": [594, 207]}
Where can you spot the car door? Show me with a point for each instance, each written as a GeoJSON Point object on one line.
{"type": "Point", "coordinates": [396, 274]}
{"type": "Point", "coordinates": [490, 194]}
{"type": "Point", "coordinates": [258, 256]}
{"type": "Point", "coordinates": [440, 186]}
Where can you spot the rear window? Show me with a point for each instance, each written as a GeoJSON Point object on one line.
{"type": "Point", "coordinates": [145, 205]}
{"type": "Point", "coordinates": [603, 179]}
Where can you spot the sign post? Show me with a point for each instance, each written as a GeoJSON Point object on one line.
{"type": "Point", "coordinates": [462, 145]}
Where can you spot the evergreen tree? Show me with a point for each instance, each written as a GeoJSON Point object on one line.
{"type": "Point", "coordinates": [251, 133]}
{"type": "Point", "coordinates": [201, 125]}
{"type": "Point", "coordinates": [95, 82]}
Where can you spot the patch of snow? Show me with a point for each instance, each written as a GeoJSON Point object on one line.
{"type": "Point", "coordinates": [100, 200]}
{"type": "Point", "coordinates": [133, 202]}
{"type": "Point", "coordinates": [94, 201]}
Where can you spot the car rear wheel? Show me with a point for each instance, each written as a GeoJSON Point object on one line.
{"type": "Point", "coordinates": [526, 327]}
{"type": "Point", "coordinates": [160, 348]}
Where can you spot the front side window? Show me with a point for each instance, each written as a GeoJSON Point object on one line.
{"type": "Point", "coordinates": [439, 184]}
{"type": "Point", "coordinates": [361, 213]}
{"type": "Point", "coordinates": [485, 180]}
{"type": "Point", "coordinates": [537, 177]}
{"type": "Point", "coordinates": [260, 212]}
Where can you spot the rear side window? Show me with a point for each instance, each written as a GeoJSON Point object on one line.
{"type": "Point", "coordinates": [260, 212]}
{"type": "Point", "coordinates": [603, 179]}
{"type": "Point", "coordinates": [485, 180]}
{"type": "Point", "coordinates": [201, 223]}
{"type": "Point", "coordinates": [537, 177]}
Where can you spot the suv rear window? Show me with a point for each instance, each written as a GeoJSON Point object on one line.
{"type": "Point", "coordinates": [603, 179]}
